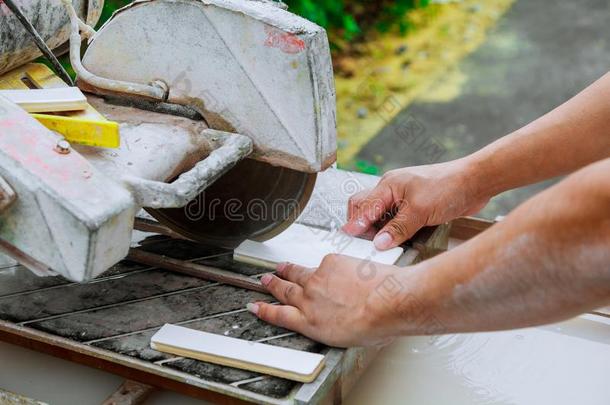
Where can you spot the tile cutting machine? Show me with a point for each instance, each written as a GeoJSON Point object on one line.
{"type": "Point", "coordinates": [227, 116]}
{"type": "Point", "coordinates": [226, 111]}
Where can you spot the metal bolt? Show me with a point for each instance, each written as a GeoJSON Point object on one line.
{"type": "Point", "coordinates": [163, 86]}
{"type": "Point", "coordinates": [62, 147]}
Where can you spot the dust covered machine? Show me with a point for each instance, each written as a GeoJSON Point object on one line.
{"type": "Point", "coordinates": [226, 108]}
{"type": "Point", "coordinates": [226, 115]}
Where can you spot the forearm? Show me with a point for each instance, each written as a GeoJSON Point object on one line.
{"type": "Point", "coordinates": [547, 261]}
{"type": "Point", "coordinates": [569, 137]}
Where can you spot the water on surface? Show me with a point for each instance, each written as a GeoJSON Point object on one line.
{"type": "Point", "coordinates": [566, 363]}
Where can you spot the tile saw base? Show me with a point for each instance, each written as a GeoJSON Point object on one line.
{"type": "Point", "coordinates": [107, 323]}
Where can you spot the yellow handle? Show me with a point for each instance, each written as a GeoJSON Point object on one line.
{"type": "Point", "coordinates": [100, 133]}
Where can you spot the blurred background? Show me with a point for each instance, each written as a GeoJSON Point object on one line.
{"type": "Point", "coordinates": [422, 81]}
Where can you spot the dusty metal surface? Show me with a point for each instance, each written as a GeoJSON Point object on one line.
{"type": "Point", "coordinates": [231, 148]}
{"type": "Point", "coordinates": [67, 216]}
{"type": "Point", "coordinates": [7, 195]}
{"type": "Point", "coordinates": [283, 71]}
{"type": "Point", "coordinates": [155, 90]}
{"type": "Point", "coordinates": [247, 66]}
{"type": "Point", "coordinates": [85, 200]}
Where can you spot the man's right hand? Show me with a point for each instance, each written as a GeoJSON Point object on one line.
{"type": "Point", "coordinates": [408, 199]}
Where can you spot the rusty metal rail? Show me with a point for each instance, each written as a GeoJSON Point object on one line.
{"type": "Point", "coordinates": [196, 270]}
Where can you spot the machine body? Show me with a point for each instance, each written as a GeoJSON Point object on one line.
{"type": "Point", "coordinates": [256, 84]}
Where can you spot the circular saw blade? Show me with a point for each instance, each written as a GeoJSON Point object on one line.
{"type": "Point", "coordinates": [253, 200]}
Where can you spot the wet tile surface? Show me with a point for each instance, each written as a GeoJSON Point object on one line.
{"type": "Point", "coordinates": [121, 310]}
{"type": "Point", "coordinates": [18, 279]}
{"type": "Point", "coordinates": [242, 325]}
{"type": "Point", "coordinates": [101, 323]}
{"type": "Point", "coordinates": [272, 386]}
{"type": "Point", "coordinates": [78, 297]}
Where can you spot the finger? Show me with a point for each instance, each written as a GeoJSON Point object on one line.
{"type": "Point", "coordinates": [370, 233]}
{"type": "Point", "coordinates": [374, 206]}
{"type": "Point", "coordinates": [295, 273]}
{"type": "Point", "coordinates": [368, 210]}
{"type": "Point", "coordinates": [284, 316]}
{"type": "Point", "coordinates": [399, 229]}
{"type": "Point", "coordinates": [285, 291]}
{"type": "Point", "coordinates": [354, 202]}
{"type": "Point", "coordinates": [354, 225]}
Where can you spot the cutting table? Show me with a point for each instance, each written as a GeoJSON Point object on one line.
{"type": "Point", "coordinates": [107, 323]}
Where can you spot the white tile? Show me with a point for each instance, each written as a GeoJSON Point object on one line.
{"type": "Point", "coordinates": [307, 246]}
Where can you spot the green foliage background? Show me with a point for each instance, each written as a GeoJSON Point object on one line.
{"type": "Point", "coordinates": [350, 18]}
{"type": "Point", "coordinates": [347, 19]}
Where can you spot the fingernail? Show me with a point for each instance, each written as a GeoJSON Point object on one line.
{"type": "Point", "coordinates": [266, 279]}
{"type": "Point", "coordinates": [383, 241]}
{"type": "Point", "coordinates": [280, 267]}
{"type": "Point", "coordinates": [355, 227]}
{"type": "Point", "coordinates": [252, 307]}
{"type": "Point", "coordinates": [345, 228]}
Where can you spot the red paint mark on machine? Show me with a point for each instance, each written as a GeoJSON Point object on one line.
{"type": "Point", "coordinates": [28, 143]}
{"type": "Point", "coordinates": [4, 10]}
{"type": "Point", "coordinates": [284, 41]}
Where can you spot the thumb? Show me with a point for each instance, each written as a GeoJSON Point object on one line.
{"type": "Point", "coordinates": [399, 229]}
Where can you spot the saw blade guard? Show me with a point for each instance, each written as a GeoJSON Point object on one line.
{"type": "Point", "coordinates": [248, 67]}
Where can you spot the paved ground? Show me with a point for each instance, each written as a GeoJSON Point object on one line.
{"type": "Point", "coordinates": [540, 54]}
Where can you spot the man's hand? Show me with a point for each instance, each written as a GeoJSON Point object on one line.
{"type": "Point", "coordinates": [573, 135]}
{"type": "Point", "coordinates": [546, 261]}
{"type": "Point", "coordinates": [408, 199]}
{"type": "Point", "coordinates": [338, 303]}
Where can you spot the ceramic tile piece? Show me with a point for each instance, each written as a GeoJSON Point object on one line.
{"type": "Point", "coordinates": [307, 246]}
{"type": "Point", "coordinates": [218, 349]}
{"type": "Point", "coordinates": [47, 100]}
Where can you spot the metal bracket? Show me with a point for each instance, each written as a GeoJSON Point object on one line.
{"type": "Point", "coordinates": [155, 194]}
{"type": "Point", "coordinates": [130, 393]}
{"type": "Point", "coordinates": [157, 90]}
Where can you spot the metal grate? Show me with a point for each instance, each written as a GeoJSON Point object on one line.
{"type": "Point", "coordinates": [121, 310]}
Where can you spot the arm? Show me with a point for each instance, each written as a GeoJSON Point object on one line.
{"type": "Point", "coordinates": [566, 139]}
{"type": "Point", "coordinates": [571, 136]}
{"type": "Point", "coordinates": [547, 261]}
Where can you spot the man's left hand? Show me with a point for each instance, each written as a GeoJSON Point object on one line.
{"type": "Point", "coordinates": [341, 303]}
